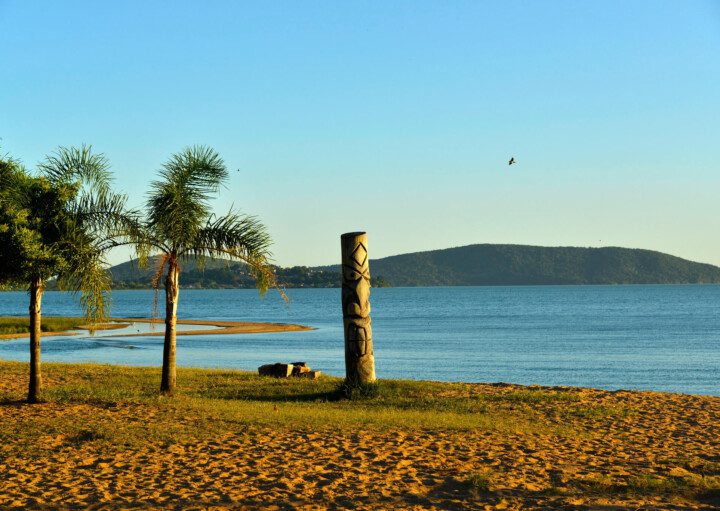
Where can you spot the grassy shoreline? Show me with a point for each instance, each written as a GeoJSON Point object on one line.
{"type": "Point", "coordinates": [10, 325]}
{"type": "Point", "coordinates": [233, 438]}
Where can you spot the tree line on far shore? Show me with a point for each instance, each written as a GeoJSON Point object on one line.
{"type": "Point", "coordinates": [60, 221]}
{"type": "Point", "coordinates": [226, 274]}
{"type": "Point", "coordinates": [472, 265]}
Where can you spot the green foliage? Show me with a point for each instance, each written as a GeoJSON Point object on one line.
{"type": "Point", "coordinates": [178, 206]}
{"type": "Point", "coordinates": [16, 325]}
{"type": "Point", "coordinates": [479, 482]}
{"type": "Point", "coordinates": [466, 266]}
{"type": "Point", "coordinates": [180, 224]}
{"type": "Point", "coordinates": [224, 273]}
{"type": "Point", "coordinates": [359, 390]}
{"type": "Point", "coordinates": [650, 484]}
{"type": "Point", "coordinates": [379, 282]}
{"type": "Point", "coordinates": [477, 265]}
{"type": "Point", "coordinates": [221, 273]}
{"type": "Point", "coordinates": [220, 399]}
{"type": "Point", "coordinates": [26, 235]}
{"type": "Point", "coordinates": [57, 224]}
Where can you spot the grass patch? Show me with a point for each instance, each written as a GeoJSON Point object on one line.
{"type": "Point", "coordinates": [651, 484]}
{"type": "Point", "coordinates": [20, 325]}
{"type": "Point", "coordinates": [86, 435]}
{"type": "Point", "coordinates": [359, 391]}
{"type": "Point", "coordinates": [700, 466]}
{"type": "Point", "coordinates": [534, 396]}
{"type": "Point", "coordinates": [601, 484]}
{"type": "Point", "coordinates": [479, 482]}
{"type": "Point", "coordinates": [101, 404]}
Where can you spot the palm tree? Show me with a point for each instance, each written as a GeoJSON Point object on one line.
{"type": "Point", "coordinates": [180, 225]}
{"type": "Point", "coordinates": [58, 223]}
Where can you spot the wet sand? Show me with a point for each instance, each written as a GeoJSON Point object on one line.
{"type": "Point", "coordinates": [221, 328]}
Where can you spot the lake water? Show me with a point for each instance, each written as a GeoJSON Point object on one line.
{"type": "Point", "coordinates": [664, 338]}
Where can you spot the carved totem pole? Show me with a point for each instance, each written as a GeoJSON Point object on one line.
{"type": "Point", "coordinates": [359, 357]}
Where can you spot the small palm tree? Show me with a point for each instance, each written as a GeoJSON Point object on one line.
{"type": "Point", "coordinates": [58, 223]}
{"type": "Point", "coordinates": [180, 225]}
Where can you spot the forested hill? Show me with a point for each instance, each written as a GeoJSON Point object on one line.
{"type": "Point", "coordinates": [213, 274]}
{"type": "Point", "coordinates": [463, 266]}
{"type": "Point", "coordinates": [528, 265]}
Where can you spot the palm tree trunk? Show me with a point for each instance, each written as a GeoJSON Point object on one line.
{"type": "Point", "coordinates": [172, 290]}
{"type": "Point", "coordinates": [36, 292]}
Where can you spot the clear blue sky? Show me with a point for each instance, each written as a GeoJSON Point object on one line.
{"type": "Point", "coordinates": [393, 117]}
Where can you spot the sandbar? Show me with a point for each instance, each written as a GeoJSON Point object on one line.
{"type": "Point", "coordinates": [219, 328]}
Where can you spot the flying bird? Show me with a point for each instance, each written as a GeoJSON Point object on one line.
{"type": "Point", "coordinates": [512, 160]}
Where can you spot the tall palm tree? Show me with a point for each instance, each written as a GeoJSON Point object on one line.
{"type": "Point", "coordinates": [180, 225]}
{"type": "Point", "coordinates": [58, 223]}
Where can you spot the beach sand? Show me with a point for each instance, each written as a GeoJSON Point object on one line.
{"type": "Point", "coordinates": [223, 328]}
{"type": "Point", "coordinates": [567, 448]}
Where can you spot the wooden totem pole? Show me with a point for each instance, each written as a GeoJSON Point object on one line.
{"type": "Point", "coordinates": [359, 357]}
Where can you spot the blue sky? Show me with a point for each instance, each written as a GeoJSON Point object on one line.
{"type": "Point", "coordinates": [393, 117]}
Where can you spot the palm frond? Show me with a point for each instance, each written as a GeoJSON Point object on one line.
{"type": "Point", "coordinates": [234, 235]}
{"type": "Point", "coordinates": [106, 214]}
{"type": "Point", "coordinates": [243, 238]}
{"type": "Point", "coordinates": [198, 168]}
{"type": "Point", "coordinates": [179, 203]}
{"type": "Point", "coordinates": [86, 273]}
{"type": "Point", "coordinates": [71, 164]}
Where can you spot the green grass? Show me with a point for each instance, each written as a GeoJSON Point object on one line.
{"type": "Point", "coordinates": [479, 482]}
{"type": "Point", "coordinates": [210, 403]}
{"type": "Point", "coordinates": [692, 485]}
{"type": "Point", "coordinates": [534, 396]}
{"type": "Point", "coordinates": [244, 397]}
{"type": "Point", "coordinates": [20, 325]}
{"type": "Point", "coordinates": [700, 466]}
{"type": "Point", "coordinates": [107, 409]}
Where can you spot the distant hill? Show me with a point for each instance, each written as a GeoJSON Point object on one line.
{"type": "Point", "coordinates": [472, 265]}
{"type": "Point", "coordinates": [477, 265]}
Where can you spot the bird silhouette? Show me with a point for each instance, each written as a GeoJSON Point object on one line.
{"type": "Point", "coordinates": [512, 160]}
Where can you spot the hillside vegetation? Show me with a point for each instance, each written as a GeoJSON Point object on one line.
{"type": "Point", "coordinates": [221, 274]}
{"type": "Point", "coordinates": [473, 265]}
{"type": "Point", "coordinates": [476, 265]}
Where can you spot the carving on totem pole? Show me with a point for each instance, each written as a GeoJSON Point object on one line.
{"type": "Point", "coordinates": [359, 357]}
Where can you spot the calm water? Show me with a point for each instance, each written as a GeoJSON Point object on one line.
{"type": "Point", "coordinates": [663, 338]}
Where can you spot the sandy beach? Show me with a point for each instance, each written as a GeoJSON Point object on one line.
{"type": "Point", "coordinates": [232, 440]}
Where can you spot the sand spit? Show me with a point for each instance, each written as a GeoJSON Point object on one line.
{"type": "Point", "coordinates": [223, 328]}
